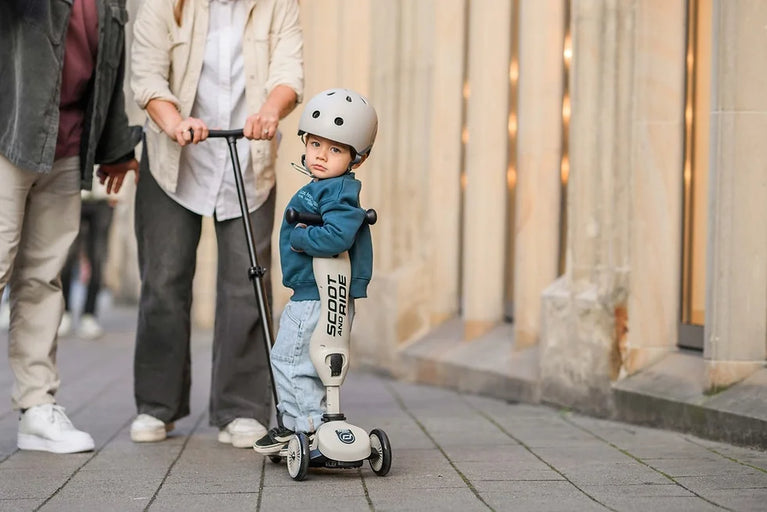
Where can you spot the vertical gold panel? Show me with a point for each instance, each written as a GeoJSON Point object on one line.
{"type": "Point", "coordinates": [696, 162]}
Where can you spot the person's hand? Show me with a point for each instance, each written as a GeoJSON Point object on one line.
{"type": "Point", "coordinates": [189, 131]}
{"type": "Point", "coordinates": [300, 225]}
{"type": "Point", "coordinates": [113, 174]}
{"type": "Point", "coordinates": [262, 126]}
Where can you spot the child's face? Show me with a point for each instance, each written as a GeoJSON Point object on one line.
{"type": "Point", "coordinates": [326, 158]}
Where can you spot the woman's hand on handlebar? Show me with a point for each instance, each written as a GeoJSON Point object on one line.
{"type": "Point", "coordinates": [261, 126]}
{"type": "Point", "coordinates": [189, 131]}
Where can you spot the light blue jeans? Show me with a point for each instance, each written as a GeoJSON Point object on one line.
{"type": "Point", "coordinates": [299, 389]}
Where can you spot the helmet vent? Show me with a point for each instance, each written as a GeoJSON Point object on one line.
{"type": "Point", "coordinates": [349, 99]}
{"type": "Point", "coordinates": [339, 121]}
{"type": "Point", "coordinates": [331, 93]}
{"type": "Point", "coordinates": [316, 114]}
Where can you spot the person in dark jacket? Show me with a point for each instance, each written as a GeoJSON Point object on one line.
{"type": "Point", "coordinates": [339, 127]}
{"type": "Point", "coordinates": [61, 112]}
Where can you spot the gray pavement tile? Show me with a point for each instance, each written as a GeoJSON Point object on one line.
{"type": "Point", "coordinates": [427, 500]}
{"type": "Point", "coordinates": [107, 490]}
{"type": "Point", "coordinates": [747, 480]}
{"type": "Point", "coordinates": [21, 505]}
{"type": "Point", "coordinates": [44, 462]}
{"type": "Point", "coordinates": [550, 496]}
{"type": "Point", "coordinates": [552, 435]}
{"type": "Point", "coordinates": [29, 483]}
{"type": "Point", "coordinates": [8, 426]}
{"type": "Point", "coordinates": [741, 500]}
{"type": "Point", "coordinates": [418, 469]}
{"type": "Point", "coordinates": [741, 454]}
{"type": "Point", "coordinates": [513, 454]}
{"type": "Point", "coordinates": [495, 470]}
{"type": "Point", "coordinates": [126, 455]}
{"type": "Point", "coordinates": [660, 504]}
{"type": "Point", "coordinates": [205, 503]}
{"type": "Point", "coordinates": [340, 480]}
{"type": "Point", "coordinates": [695, 467]}
{"type": "Point", "coordinates": [640, 490]}
{"type": "Point", "coordinates": [574, 455]}
{"type": "Point", "coordinates": [598, 472]}
{"type": "Point", "coordinates": [296, 499]}
{"type": "Point", "coordinates": [403, 436]}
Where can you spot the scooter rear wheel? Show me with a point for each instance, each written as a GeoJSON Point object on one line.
{"type": "Point", "coordinates": [380, 456]}
{"type": "Point", "coordinates": [298, 456]}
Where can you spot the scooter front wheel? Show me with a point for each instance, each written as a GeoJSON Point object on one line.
{"type": "Point", "coordinates": [298, 456]}
{"type": "Point", "coordinates": [380, 452]}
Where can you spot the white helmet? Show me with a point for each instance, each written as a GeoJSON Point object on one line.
{"type": "Point", "coordinates": [342, 116]}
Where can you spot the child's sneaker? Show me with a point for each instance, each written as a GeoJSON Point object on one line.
{"type": "Point", "coordinates": [273, 441]}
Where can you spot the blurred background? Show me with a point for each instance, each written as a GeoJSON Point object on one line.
{"type": "Point", "coordinates": [572, 191]}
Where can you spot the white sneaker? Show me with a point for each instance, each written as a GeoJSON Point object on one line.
{"type": "Point", "coordinates": [5, 315]}
{"type": "Point", "coordinates": [89, 328]}
{"type": "Point", "coordinates": [46, 428]}
{"type": "Point", "coordinates": [65, 326]}
{"type": "Point", "coordinates": [148, 429]}
{"type": "Point", "coordinates": [242, 432]}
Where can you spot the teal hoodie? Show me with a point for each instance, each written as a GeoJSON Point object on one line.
{"type": "Point", "coordinates": [343, 229]}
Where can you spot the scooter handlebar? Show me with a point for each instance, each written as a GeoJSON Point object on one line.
{"type": "Point", "coordinates": [294, 217]}
{"type": "Point", "coordinates": [237, 134]}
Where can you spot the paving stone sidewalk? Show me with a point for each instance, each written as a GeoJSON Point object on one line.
{"type": "Point", "coordinates": [450, 452]}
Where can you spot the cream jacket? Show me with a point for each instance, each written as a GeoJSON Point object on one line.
{"type": "Point", "coordinates": [167, 60]}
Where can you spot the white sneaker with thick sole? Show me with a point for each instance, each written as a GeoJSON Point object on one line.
{"type": "Point", "coordinates": [46, 428]}
{"type": "Point", "coordinates": [65, 326]}
{"type": "Point", "coordinates": [5, 315]}
{"type": "Point", "coordinates": [242, 432]}
{"type": "Point", "coordinates": [89, 328]}
{"type": "Point", "coordinates": [148, 429]}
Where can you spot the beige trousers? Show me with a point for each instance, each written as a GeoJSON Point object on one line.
{"type": "Point", "coordinates": [39, 220]}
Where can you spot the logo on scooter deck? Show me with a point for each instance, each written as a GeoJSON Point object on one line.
{"type": "Point", "coordinates": [345, 435]}
{"type": "Point", "coordinates": [337, 297]}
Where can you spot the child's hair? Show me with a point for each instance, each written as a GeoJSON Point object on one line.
{"type": "Point", "coordinates": [342, 116]}
{"type": "Point", "coordinates": [178, 11]}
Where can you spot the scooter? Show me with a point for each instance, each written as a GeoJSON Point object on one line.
{"type": "Point", "coordinates": [336, 443]}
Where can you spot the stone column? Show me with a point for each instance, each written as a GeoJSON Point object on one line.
{"type": "Point", "coordinates": [736, 298]}
{"type": "Point", "coordinates": [539, 143]}
{"type": "Point", "coordinates": [400, 45]}
{"type": "Point", "coordinates": [445, 163]}
{"type": "Point", "coordinates": [484, 223]}
{"type": "Point", "coordinates": [657, 153]}
{"type": "Point", "coordinates": [583, 310]}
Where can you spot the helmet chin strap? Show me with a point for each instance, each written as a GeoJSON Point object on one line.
{"type": "Point", "coordinates": [302, 168]}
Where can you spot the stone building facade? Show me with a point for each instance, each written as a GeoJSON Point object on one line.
{"type": "Point", "coordinates": [570, 195]}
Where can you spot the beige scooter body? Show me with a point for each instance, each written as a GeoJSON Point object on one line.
{"type": "Point", "coordinates": [329, 350]}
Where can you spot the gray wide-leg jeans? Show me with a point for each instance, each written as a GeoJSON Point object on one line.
{"type": "Point", "coordinates": [167, 236]}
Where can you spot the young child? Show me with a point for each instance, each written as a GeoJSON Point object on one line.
{"type": "Point", "coordinates": [338, 127]}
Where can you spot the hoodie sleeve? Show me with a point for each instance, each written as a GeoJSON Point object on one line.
{"type": "Point", "coordinates": [341, 220]}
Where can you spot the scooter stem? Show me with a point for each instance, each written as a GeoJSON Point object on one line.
{"type": "Point", "coordinates": [256, 272]}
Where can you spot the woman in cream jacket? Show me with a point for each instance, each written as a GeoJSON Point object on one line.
{"type": "Point", "coordinates": [200, 65]}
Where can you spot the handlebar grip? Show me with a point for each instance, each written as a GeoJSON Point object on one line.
{"type": "Point", "coordinates": [294, 217]}
{"type": "Point", "coordinates": [237, 134]}
{"type": "Point", "coordinates": [222, 134]}
{"type": "Point", "coordinates": [312, 219]}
